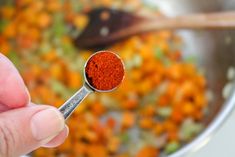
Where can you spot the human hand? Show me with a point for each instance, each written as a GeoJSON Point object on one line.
{"type": "Point", "coordinates": [25, 126]}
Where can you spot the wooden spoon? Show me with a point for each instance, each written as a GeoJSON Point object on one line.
{"type": "Point", "coordinates": [107, 26]}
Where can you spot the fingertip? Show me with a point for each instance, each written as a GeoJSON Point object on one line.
{"type": "Point", "coordinates": [13, 92]}
{"type": "Point", "coordinates": [59, 139]}
{"type": "Point", "coordinates": [20, 122]}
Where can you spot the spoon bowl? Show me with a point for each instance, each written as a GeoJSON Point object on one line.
{"type": "Point", "coordinates": [71, 104]}
{"type": "Point", "coordinates": [87, 80]}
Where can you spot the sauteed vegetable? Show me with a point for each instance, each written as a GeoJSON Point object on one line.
{"type": "Point", "coordinates": [159, 106]}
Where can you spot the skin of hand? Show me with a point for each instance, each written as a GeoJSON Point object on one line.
{"type": "Point", "coordinates": [25, 126]}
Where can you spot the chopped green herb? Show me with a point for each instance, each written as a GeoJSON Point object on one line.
{"type": "Point", "coordinates": [60, 89]}
{"type": "Point", "coordinates": [172, 147]}
{"type": "Point", "coordinates": [166, 61]}
{"type": "Point", "coordinates": [3, 23]}
{"type": "Point", "coordinates": [159, 54]}
{"type": "Point", "coordinates": [59, 28]}
{"type": "Point", "coordinates": [137, 60]}
{"type": "Point", "coordinates": [125, 137]}
{"type": "Point", "coordinates": [164, 112]}
{"type": "Point", "coordinates": [191, 59]}
{"type": "Point", "coordinates": [14, 57]}
{"type": "Point", "coordinates": [189, 129]}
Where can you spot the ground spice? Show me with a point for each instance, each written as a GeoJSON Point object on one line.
{"type": "Point", "coordinates": [104, 70]}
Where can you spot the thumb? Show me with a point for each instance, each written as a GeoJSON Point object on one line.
{"type": "Point", "coordinates": [25, 129]}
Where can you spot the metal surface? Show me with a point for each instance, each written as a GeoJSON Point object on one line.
{"type": "Point", "coordinates": [70, 105]}
{"type": "Point", "coordinates": [215, 51]}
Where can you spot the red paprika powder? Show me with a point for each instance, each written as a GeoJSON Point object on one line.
{"type": "Point", "coordinates": [104, 70]}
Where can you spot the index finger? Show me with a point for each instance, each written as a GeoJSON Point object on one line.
{"type": "Point", "coordinates": [13, 93]}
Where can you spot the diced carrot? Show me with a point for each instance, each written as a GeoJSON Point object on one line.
{"type": "Point", "coordinates": [128, 120]}
{"type": "Point", "coordinates": [5, 48]}
{"type": "Point", "coordinates": [156, 79]}
{"type": "Point", "coordinates": [163, 100]}
{"type": "Point", "coordinates": [36, 70]}
{"type": "Point", "coordinates": [131, 103]}
{"type": "Point", "coordinates": [66, 145]}
{"type": "Point", "coordinates": [176, 116]}
{"type": "Point", "coordinates": [175, 56]}
{"type": "Point", "coordinates": [43, 19]}
{"type": "Point", "coordinates": [173, 135]}
{"type": "Point", "coordinates": [170, 126]}
{"type": "Point", "coordinates": [97, 151]}
{"type": "Point", "coordinates": [198, 115]}
{"type": "Point", "coordinates": [188, 89]}
{"type": "Point", "coordinates": [200, 100]}
{"type": "Point", "coordinates": [80, 148]}
{"type": "Point", "coordinates": [111, 122]}
{"type": "Point", "coordinates": [10, 31]}
{"type": "Point", "coordinates": [163, 45]}
{"type": "Point", "coordinates": [7, 12]}
{"type": "Point", "coordinates": [22, 3]}
{"type": "Point", "coordinates": [188, 108]}
{"type": "Point", "coordinates": [174, 72]}
{"type": "Point", "coordinates": [149, 67]}
{"type": "Point", "coordinates": [53, 5]}
{"type": "Point", "coordinates": [200, 81]}
{"type": "Point", "coordinates": [40, 152]}
{"type": "Point", "coordinates": [56, 71]}
{"type": "Point", "coordinates": [50, 56]}
{"type": "Point", "coordinates": [123, 155]}
{"type": "Point", "coordinates": [80, 21]}
{"type": "Point", "coordinates": [74, 80]}
{"type": "Point", "coordinates": [149, 110]}
{"type": "Point", "coordinates": [188, 69]}
{"type": "Point", "coordinates": [37, 5]}
{"type": "Point", "coordinates": [90, 136]}
{"type": "Point", "coordinates": [34, 34]}
{"type": "Point", "coordinates": [158, 129]}
{"type": "Point", "coordinates": [24, 42]}
{"type": "Point", "coordinates": [83, 107]}
{"type": "Point", "coordinates": [45, 93]}
{"type": "Point", "coordinates": [98, 128]}
{"type": "Point", "coordinates": [22, 28]}
{"type": "Point", "coordinates": [172, 89]}
{"type": "Point", "coordinates": [146, 123]}
{"type": "Point", "coordinates": [145, 86]}
{"type": "Point", "coordinates": [97, 109]}
{"type": "Point", "coordinates": [148, 151]}
{"type": "Point", "coordinates": [58, 102]}
{"type": "Point", "coordinates": [114, 144]}
{"type": "Point", "coordinates": [136, 74]}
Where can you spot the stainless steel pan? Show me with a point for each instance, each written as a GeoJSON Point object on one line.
{"type": "Point", "coordinates": [215, 51]}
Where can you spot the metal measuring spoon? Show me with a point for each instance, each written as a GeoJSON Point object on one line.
{"type": "Point", "coordinates": [71, 104]}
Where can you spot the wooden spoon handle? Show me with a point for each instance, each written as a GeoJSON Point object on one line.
{"type": "Point", "coordinates": [220, 20]}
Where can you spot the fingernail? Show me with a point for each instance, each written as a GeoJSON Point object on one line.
{"type": "Point", "coordinates": [28, 94]}
{"type": "Point", "coordinates": [47, 123]}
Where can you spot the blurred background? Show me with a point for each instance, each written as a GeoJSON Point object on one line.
{"type": "Point", "coordinates": [176, 84]}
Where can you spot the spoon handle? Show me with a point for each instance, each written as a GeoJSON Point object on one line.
{"type": "Point", "coordinates": [219, 20]}
{"type": "Point", "coordinates": [70, 105]}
